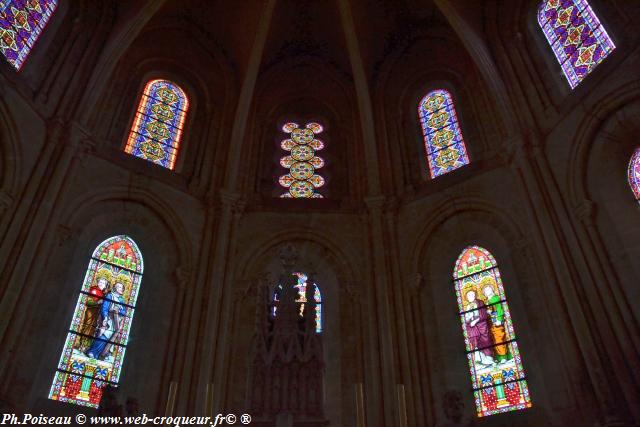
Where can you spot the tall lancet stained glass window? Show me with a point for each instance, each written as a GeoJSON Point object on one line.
{"type": "Point", "coordinates": [302, 163]}
{"type": "Point", "coordinates": [158, 123]}
{"type": "Point", "coordinates": [21, 22]}
{"type": "Point", "coordinates": [301, 286]}
{"type": "Point", "coordinates": [443, 140]}
{"type": "Point", "coordinates": [497, 375]}
{"type": "Point", "coordinates": [634, 174]}
{"type": "Point", "coordinates": [94, 350]}
{"type": "Point", "coordinates": [576, 36]}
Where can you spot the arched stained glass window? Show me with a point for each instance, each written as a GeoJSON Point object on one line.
{"type": "Point", "coordinates": [158, 124]}
{"type": "Point", "coordinates": [94, 350]}
{"type": "Point", "coordinates": [302, 299]}
{"type": "Point", "coordinates": [302, 181]}
{"type": "Point", "coordinates": [576, 36]}
{"type": "Point", "coordinates": [443, 140]}
{"type": "Point", "coordinates": [634, 174]}
{"type": "Point", "coordinates": [497, 375]}
{"type": "Point", "coordinates": [21, 22]}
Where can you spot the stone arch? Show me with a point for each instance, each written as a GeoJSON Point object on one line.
{"type": "Point", "coordinates": [156, 205]}
{"type": "Point", "coordinates": [167, 254]}
{"type": "Point", "coordinates": [599, 191]}
{"type": "Point", "coordinates": [210, 93]}
{"type": "Point", "coordinates": [276, 97]}
{"type": "Point", "coordinates": [434, 256]}
{"type": "Point", "coordinates": [335, 276]}
{"type": "Point", "coordinates": [396, 102]}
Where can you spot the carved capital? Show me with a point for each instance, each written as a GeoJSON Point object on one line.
{"type": "Point", "coordinates": [244, 289]}
{"type": "Point", "coordinates": [352, 291]}
{"type": "Point", "coordinates": [6, 200]}
{"type": "Point", "coordinates": [224, 201]}
{"type": "Point", "coordinates": [57, 130]}
{"type": "Point", "coordinates": [84, 148]}
{"type": "Point", "coordinates": [586, 212]}
{"type": "Point", "coordinates": [416, 283]}
{"type": "Point", "coordinates": [63, 234]}
{"type": "Point", "coordinates": [182, 275]}
{"type": "Point", "coordinates": [375, 203]}
{"type": "Point", "coordinates": [288, 256]}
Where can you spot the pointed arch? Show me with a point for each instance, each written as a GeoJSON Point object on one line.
{"type": "Point", "coordinates": [444, 144]}
{"type": "Point", "coordinates": [576, 36]}
{"type": "Point", "coordinates": [497, 374]}
{"type": "Point", "coordinates": [158, 123]}
{"type": "Point", "coordinates": [302, 299]}
{"type": "Point", "coordinates": [21, 23]}
{"type": "Point", "coordinates": [94, 350]}
{"type": "Point", "coordinates": [633, 174]}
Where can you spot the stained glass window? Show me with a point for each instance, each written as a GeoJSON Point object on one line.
{"type": "Point", "coordinates": [158, 124]}
{"type": "Point", "coordinates": [576, 36]}
{"type": "Point", "coordinates": [302, 299]}
{"type": "Point", "coordinates": [634, 174]}
{"type": "Point", "coordinates": [96, 342]}
{"type": "Point", "coordinates": [21, 22]}
{"type": "Point", "coordinates": [302, 181]}
{"type": "Point", "coordinates": [497, 375]}
{"type": "Point", "coordinates": [443, 140]}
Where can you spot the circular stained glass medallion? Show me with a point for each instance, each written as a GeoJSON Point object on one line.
{"type": "Point", "coordinates": [301, 189]}
{"type": "Point", "coordinates": [289, 127]}
{"type": "Point", "coordinates": [315, 127]}
{"type": "Point", "coordinates": [301, 170]}
{"type": "Point", "coordinates": [302, 152]}
{"type": "Point", "coordinates": [302, 136]}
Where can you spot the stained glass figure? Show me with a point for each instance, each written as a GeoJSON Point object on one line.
{"type": "Point", "coordinates": [302, 299]}
{"type": "Point", "coordinates": [96, 342]}
{"type": "Point", "coordinates": [443, 140]}
{"type": "Point", "coordinates": [576, 36]}
{"type": "Point", "coordinates": [302, 181]}
{"type": "Point", "coordinates": [497, 375]}
{"type": "Point", "coordinates": [158, 124]}
{"type": "Point", "coordinates": [21, 22]}
{"type": "Point", "coordinates": [634, 174]}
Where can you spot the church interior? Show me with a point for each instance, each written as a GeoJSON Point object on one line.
{"type": "Point", "coordinates": [382, 213]}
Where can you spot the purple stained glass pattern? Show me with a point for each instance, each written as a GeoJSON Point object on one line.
{"type": "Point", "coordinates": [21, 22]}
{"type": "Point", "coordinates": [302, 290]}
{"type": "Point", "coordinates": [634, 174]}
{"type": "Point", "coordinates": [302, 181]}
{"type": "Point", "coordinates": [443, 140]}
{"type": "Point", "coordinates": [497, 374]}
{"type": "Point", "coordinates": [578, 39]}
{"type": "Point", "coordinates": [158, 123]}
{"type": "Point", "coordinates": [96, 342]}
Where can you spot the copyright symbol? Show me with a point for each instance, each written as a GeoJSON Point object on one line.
{"type": "Point", "coordinates": [245, 419]}
{"type": "Point", "coordinates": [231, 419]}
{"type": "Point", "coordinates": [81, 418]}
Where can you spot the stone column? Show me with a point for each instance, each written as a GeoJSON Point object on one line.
{"type": "Point", "coordinates": [563, 289]}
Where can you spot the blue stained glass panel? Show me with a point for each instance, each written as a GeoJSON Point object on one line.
{"type": "Point", "coordinates": [445, 147]}
{"type": "Point", "coordinates": [21, 23]}
{"type": "Point", "coordinates": [158, 123]}
{"type": "Point", "coordinates": [578, 39]}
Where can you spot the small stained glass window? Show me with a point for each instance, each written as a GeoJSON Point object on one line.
{"type": "Point", "coordinates": [578, 39]}
{"type": "Point", "coordinates": [634, 174]}
{"type": "Point", "coordinates": [302, 181]}
{"type": "Point", "coordinates": [94, 350]}
{"type": "Point", "coordinates": [158, 124]}
{"type": "Point", "coordinates": [443, 140]}
{"type": "Point", "coordinates": [21, 23]}
{"type": "Point", "coordinates": [301, 286]}
{"type": "Point", "coordinates": [497, 375]}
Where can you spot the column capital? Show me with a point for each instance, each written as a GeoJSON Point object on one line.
{"type": "Point", "coordinates": [586, 211]}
